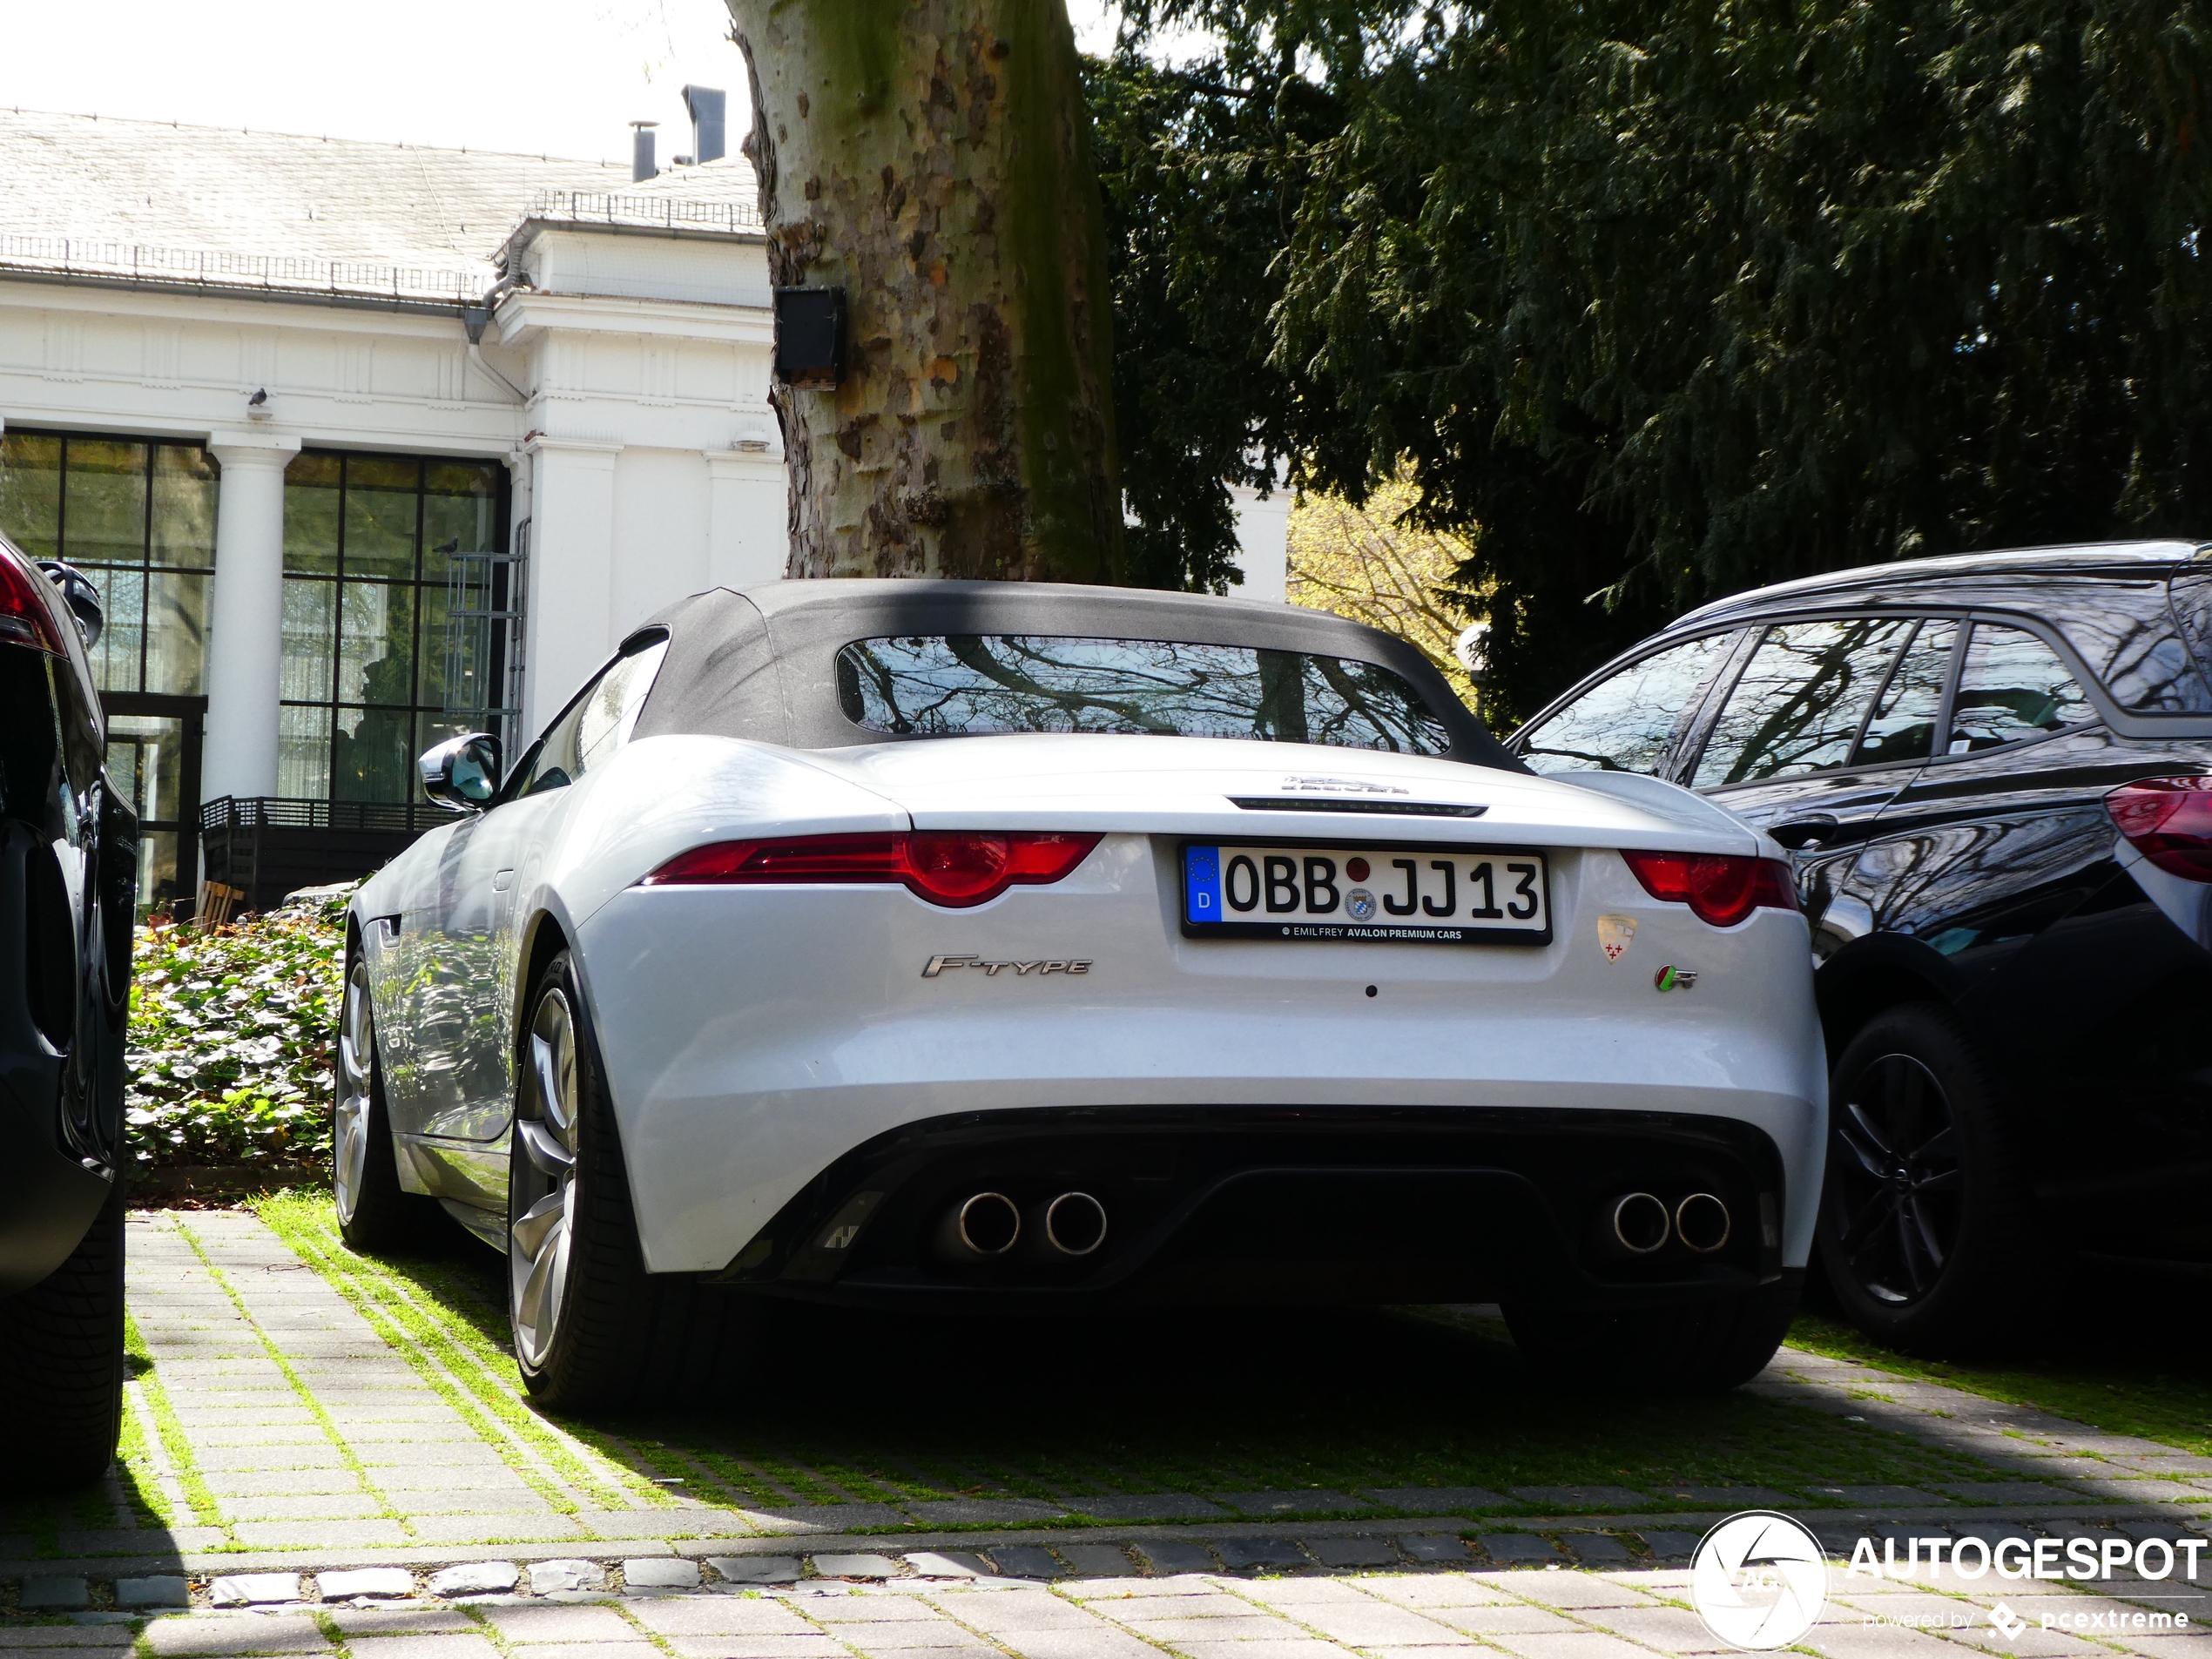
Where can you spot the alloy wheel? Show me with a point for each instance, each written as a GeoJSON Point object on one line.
{"type": "Point", "coordinates": [1897, 1179]}
{"type": "Point", "coordinates": [541, 1184]}
{"type": "Point", "coordinates": [350, 1115]}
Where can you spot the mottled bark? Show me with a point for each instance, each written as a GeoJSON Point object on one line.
{"type": "Point", "coordinates": [932, 158]}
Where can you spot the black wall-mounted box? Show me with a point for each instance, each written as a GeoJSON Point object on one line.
{"type": "Point", "coordinates": [810, 336]}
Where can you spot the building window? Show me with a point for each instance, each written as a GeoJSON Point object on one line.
{"type": "Point", "coordinates": [137, 516]}
{"type": "Point", "coordinates": [391, 564]}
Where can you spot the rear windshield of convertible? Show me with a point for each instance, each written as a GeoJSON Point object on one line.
{"type": "Point", "coordinates": [953, 686]}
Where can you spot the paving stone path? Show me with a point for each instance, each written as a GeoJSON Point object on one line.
{"type": "Point", "coordinates": [947, 1614]}
{"type": "Point", "coordinates": [335, 1488]}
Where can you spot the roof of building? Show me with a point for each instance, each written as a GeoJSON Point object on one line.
{"type": "Point", "coordinates": [157, 201]}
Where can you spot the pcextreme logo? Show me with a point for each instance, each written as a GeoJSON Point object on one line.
{"type": "Point", "coordinates": [1758, 1581]}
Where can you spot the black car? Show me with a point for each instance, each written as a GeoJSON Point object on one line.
{"type": "Point", "coordinates": [1994, 772]}
{"type": "Point", "coordinates": [69, 853]}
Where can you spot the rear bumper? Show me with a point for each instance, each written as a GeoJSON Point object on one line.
{"type": "Point", "coordinates": [754, 1038]}
{"type": "Point", "coordinates": [1243, 1206]}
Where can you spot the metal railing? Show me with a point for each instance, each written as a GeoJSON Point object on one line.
{"type": "Point", "coordinates": [208, 267]}
{"type": "Point", "coordinates": [259, 812]}
{"type": "Point", "coordinates": [665, 213]}
{"type": "Point", "coordinates": [484, 632]}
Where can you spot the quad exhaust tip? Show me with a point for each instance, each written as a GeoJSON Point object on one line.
{"type": "Point", "coordinates": [1074, 1223]}
{"type": "Point", "coordinates": [1701, 1223]}
{"type": "Point", "coordinates": [988, 1224]}
{"type": "Point", "coordinates": [1639, 1223]}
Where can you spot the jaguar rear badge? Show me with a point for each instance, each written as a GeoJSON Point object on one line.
{"type": "Point", "coordinates": [938, 965]}
{"type": "Point", "coordinates": [1671, 978]}
{"type": "Point", "coordinates": [1615, 934]}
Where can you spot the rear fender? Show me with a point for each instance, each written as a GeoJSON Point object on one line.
{"type": "Point", "coordinates": [1880, 971]}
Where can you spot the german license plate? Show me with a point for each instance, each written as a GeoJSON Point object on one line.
{"type": "Point", "coordinates": [1443, 895]}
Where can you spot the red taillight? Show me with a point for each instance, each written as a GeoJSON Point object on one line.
{"type": "Point", "coordinates": [1719, 887]}
{"type": "Point", "coordinates": [2168, 821]}
{"type": "Point", "coordinates": [24, 617]}
{"type": "Point", "coordinates": [955, 868]}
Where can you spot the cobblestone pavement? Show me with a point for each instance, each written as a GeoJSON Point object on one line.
{"type": "Point", "coordinates": [310, 1460]}
{"type": "Point", "coordinates": [1529, 1615]}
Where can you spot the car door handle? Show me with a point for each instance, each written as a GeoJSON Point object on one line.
{"type": "Point", "coordinates": [502, 880]}
{"type": "Point", "coordinates": [1811, 830]}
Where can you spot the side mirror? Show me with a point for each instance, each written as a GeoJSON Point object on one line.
{"type": "Point", "coordinates": [80, 596]}
{"type": "Point", "coordinates": [461, 773]}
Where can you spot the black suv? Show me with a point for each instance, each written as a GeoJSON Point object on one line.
{"type": "Point", "coordinates": [69, 853]}
{"type": "Point", "coordinates": [1994, 772]}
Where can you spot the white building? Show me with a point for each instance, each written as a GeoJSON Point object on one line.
{"type": "Point", "coordinates": [366, 444]}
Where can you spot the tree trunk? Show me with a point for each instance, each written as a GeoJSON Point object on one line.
{"type": "Point", "coordinates": [932, 158]}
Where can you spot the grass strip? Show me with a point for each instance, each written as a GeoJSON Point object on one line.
{"type": "Point", "coordinates": [487, 1369]}
{"type": "Point", "coordinates": [323, 1419]}
{"type": "Point", "coordinates": [205, 1510]}
{"type": "Point", "coordinates": [466, 1367]}
{"type": "Point", "coordinates": [135, 1475]}
{"type": "Point", "coordinates": [2107, 1385]}
{"type": "Point", "coordinates": [1328, 1399]}
{"type": "Point", "coordinates": [420, 1344]}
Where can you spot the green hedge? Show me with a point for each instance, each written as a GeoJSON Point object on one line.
{"type": "Point", "coordinates": [232, 1034]}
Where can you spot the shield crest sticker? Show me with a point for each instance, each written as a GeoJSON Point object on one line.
{"type": "Point", "coordinates": [1614, 936]}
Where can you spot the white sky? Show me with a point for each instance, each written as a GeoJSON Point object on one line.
{"type": "Point", "coordinates": [562, 77]}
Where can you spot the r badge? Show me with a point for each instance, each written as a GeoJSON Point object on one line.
{"type": "Point", "coordinates": [1671, 978]}
{"type": "Point", "coordinates": [1615, 934]}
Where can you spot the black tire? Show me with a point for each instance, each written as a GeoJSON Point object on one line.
{"type": "Point", "coordinates": [375, 1213]}
{"type": "Point", "coordinates": [598, 1332]}
{"type": "Point", "coordinates": [1687, 1348]}
{"type": "Point", "coordinates": [61, 1365]}
{"type": "Point", "coordinates": [1927, 1228]}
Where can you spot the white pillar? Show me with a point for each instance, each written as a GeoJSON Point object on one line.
{"type": "Point", "coordinates": [570, 617]}
{"type": "Point", "coordinates": [1263, 543]}
{"type": "Point", "coordinates": [748, 523]}
{"type": "Point", "coordinates": [246, 624]}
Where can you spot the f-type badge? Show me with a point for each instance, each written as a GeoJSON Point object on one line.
{"type": "Point", "coordinates": [1675, 979]}
{"type": "Point", "coordinates": [937, 965]}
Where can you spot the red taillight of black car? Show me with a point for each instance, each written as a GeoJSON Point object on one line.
{"type": "Point", "coordinates": [25, 617]}
{"type": "Point", "coordinates": [2168, 821]}
{"type": "Point", "coordinates": [955, 868]}
{"type": "Point", "coordinates": [1722, 888]}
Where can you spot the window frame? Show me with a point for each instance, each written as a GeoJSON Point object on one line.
{"type": "Point", "coordinates": [1965, 617]}
{"type": "Point", "coordinates": [102, 572]}
{"type": "Point", "coordinates": [1755, 635]}
{"type": "Point", "coordinates": [1439, 725]}
{"type": "Point", "coordinates": [1692, 724]}
{"type": "Point", "coordinates": [2092, 690]}
{"type": "Point", "coordinates": [423, 640]}
{"type": "Point", "coordinates": [643, 639]}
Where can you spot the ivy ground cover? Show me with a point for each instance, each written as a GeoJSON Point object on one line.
{"type": "Point", "coordinates": [231, 1035]}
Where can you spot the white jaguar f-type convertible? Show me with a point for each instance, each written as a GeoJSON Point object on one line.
{"type": "Point", "coordinates": [983, 946]}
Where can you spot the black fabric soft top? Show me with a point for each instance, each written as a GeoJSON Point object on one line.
{"type": "Point", "coordinates": [761, 664]}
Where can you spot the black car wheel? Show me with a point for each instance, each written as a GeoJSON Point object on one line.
{"type": "Point", "coordinates": [1924, 1228]}
{"type": "Point", "coordinates": [375, 1212]}
{"type": "Point", "coordinates": [593, 1329]}
{"type": "Point", "coordinates": [61, 1364]}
